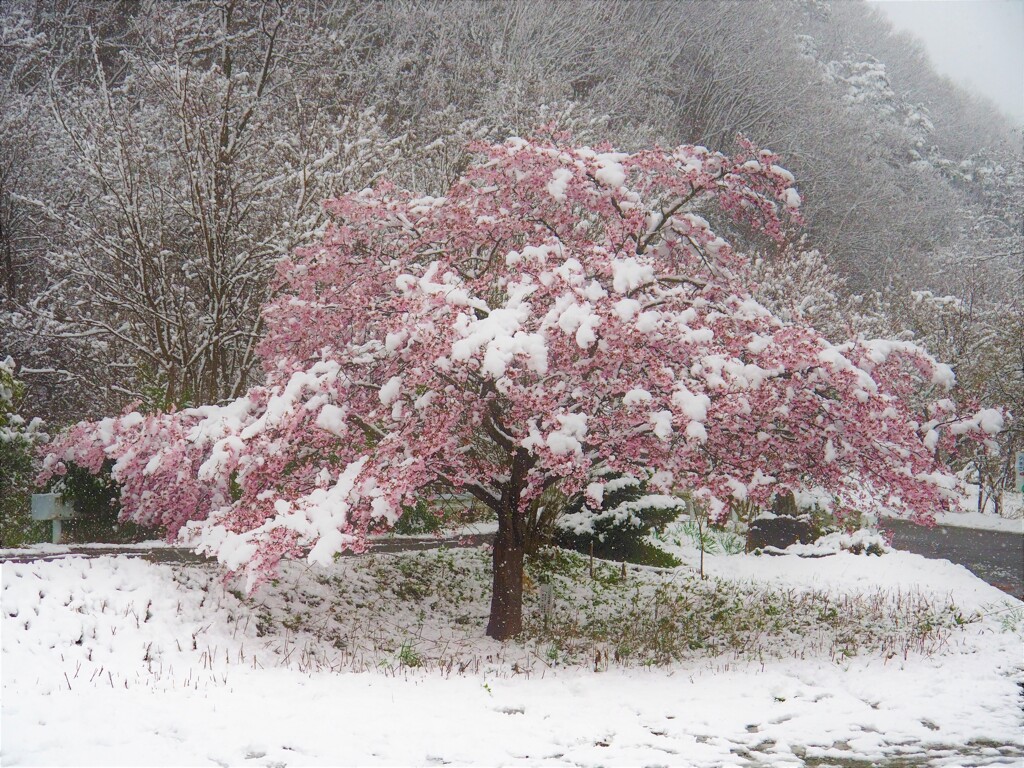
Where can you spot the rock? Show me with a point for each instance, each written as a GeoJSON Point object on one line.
{"type": "Point", "coordinates": [779, 532]}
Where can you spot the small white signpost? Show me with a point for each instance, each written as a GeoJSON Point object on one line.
{"type": "Point", "coordinates": [547, 601]}
{"type": "Point", "coordinates": [50, 506]}
{"type": "Point", "coordinates": [1019, 482]}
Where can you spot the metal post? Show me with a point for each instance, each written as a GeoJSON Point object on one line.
{"type": "Point", "coordinates": [56, 530]}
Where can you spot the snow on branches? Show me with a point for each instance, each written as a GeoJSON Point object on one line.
{"type": "Point", "coordinates": [562, 313]}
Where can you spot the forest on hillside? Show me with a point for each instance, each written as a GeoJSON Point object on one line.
{"type": "Point", "coordinates": [158, 159]}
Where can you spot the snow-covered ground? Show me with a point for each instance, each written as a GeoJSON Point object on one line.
{"type": "Point", "coordinates": [1010, 519]}
{"type": "Point", "coordinates": [986, 521]}
{"type": "Point", "coordinates": [380, 661]}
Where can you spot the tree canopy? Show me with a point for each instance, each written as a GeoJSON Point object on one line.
{"type": "Point", "coordinates": [563, 312]}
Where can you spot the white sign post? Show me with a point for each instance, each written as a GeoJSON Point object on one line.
{"type": "Point", "coordinates": [1019, 483]}
{"type": "Point", "coordinates": [50, 506]}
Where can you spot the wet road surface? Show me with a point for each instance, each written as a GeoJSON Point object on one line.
{"type": "Point", "coordinates": [185, 555]}
{"type": "Point", "coordinates": [995, 556]}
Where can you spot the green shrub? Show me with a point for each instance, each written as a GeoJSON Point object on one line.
{"type": "Point", "coordinates": [96, 499]}
{"type": "Point", "coordinates": [619, 530]}
{"type": "Point", "coordinates": [713, 539]}
{"type": "Point", "coordinates": [16, 525]}
{"type": "Point", "coordinates": [418, 519]}
{"type": "Point", "coordinates": [19, 440]}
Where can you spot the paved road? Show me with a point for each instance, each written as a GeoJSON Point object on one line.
{"type": "Point", "coordinates": [995, 556]}
{"type": "Point", "coordinates": [184, 555]}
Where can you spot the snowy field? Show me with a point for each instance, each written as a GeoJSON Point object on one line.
{"type": "Point", "coordinates": [381, 661]}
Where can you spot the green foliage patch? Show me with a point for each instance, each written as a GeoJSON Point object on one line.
{"type": "Point", "coordinates": [18, 442]}
{"type": "Point", "coordinates": [657, 618]}
{"type": "Point", "coordinates": [428, 609]}
{"type": "Point", "coordinates": [620, 528]}
{"type": "Point", "coordinates": [96, 499]}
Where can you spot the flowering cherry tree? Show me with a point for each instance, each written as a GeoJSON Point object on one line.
{"type": "Point", "coordinates": [563, 314]}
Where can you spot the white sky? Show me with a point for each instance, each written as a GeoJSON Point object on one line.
{"type": "Point", "coordinates": [978, 43]}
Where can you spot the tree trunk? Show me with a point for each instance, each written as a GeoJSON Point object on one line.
{"type": "Point", "coordinates": [507, 598]}
{"type": "Point", "coordinates": [509, 548]}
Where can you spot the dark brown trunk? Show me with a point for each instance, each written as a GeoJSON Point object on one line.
{"type": "Point", "coordinates": [509, 548]}
{"type": "Point", "coordinates": [507, 598]}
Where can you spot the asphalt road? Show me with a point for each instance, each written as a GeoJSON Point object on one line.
{"type": "Point", "coordinates": [995, 556]}
{"type": "Point", "coordinates": [184, 555]}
